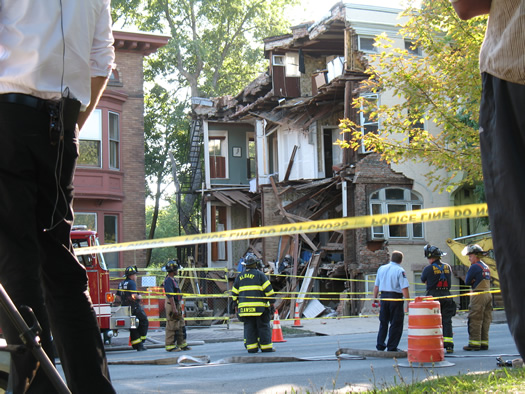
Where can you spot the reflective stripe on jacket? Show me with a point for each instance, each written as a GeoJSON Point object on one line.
{"type": "Point", "coordinates": [253, 292]}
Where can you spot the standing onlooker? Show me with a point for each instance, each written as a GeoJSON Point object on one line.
{"type": "Point", "coordinates": [175, 325]}
{"type": "Point", "coordinates": [254, 294]}
{"type": "Point", "coordinates": [502, 137]}
{"type": "Point", "coordinates": [127, 291]}
{"type": "Point", "coordinates": [392, 282]}
{"type": "Point", "coordinates": [437, 276]}
{"type": "Point", "coordinates": [55, 60]}
{"type": "Point", "coordinates": [480, 307]}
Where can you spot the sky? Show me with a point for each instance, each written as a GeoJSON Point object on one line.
{"type": "Point", "coordinates": [317, 9]}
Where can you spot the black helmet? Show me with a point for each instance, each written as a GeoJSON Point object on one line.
{"type": "Point", "coordinates": [132, 269]}
{"type": "Point", "coordinates": [171, 266]}
{"type": "Point", "coordinates": [250, 260]}
{"type": "Point", "coordinates": [473, 249]}
{"type": "Point", "coordinates": [433, 251]}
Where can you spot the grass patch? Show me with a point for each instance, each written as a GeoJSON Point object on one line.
{"type": "Point", "coordinates": [505, 380]}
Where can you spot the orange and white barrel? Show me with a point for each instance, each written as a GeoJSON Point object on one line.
{"type": "Point", "coordinates": [425, 331]}
{"type": "Point", "coordinates": [151, 307]}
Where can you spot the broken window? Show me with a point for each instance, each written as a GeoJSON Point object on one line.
{"type": "Point", "coordinates": [392, 200]}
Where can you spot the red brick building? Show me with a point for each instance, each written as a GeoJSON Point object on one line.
{"type": "Point", "coordinates": [109, 181]}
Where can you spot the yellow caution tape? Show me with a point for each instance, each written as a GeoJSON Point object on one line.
{"type": "Point", "coordinates": [423, 215]}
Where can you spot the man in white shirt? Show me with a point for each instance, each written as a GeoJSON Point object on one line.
{"type": "Point", "coordinates": [393, 284]}
{"type": "Point", "coordinates": [55, 59]}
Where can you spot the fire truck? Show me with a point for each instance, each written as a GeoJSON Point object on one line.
{"type": "Point", "coordinates": [110, 317]}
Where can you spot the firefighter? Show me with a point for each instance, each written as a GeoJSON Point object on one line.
{"type": "Point", "coordinates": [253, 293]}
{"type": "Point", "coordinates": [437, 276]}
{"type": "Point", "coordinates": [480, 307]}
{"type": "Point", "coordinates": [127, 291]}
{"type": "Point", "coordinates": [175, 326]}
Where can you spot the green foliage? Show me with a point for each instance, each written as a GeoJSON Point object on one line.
{"type": "Point", "coordinates": [167, 226]}
{"type": "Point", "coordinates": [216, 45]}
{"type": "Point", "coordinates": [165, 127]}
{"type": "Point", "coordinates": [500, 380]}
{"type": "Point", "coordinates": [440, 89]}
{"type": "Point", "coordinates": [215, 49]}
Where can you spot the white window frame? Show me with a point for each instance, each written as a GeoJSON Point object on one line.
{"type": "Point", "coordinates": [112, 142]}
{"type": "Point", "coordinates": [380, 205]}
{"type": "Point", "coordinates": [92, 131]}
{"type": "Point", "coordinates": [290, 62]}
{"type": "Point", "coordinates": [93, 214]}
{"type": "Point", "coordinates": [363, 37]}
{"type": "Point", "coordinates": [364, 120]}
{"type": "Point", "coordinates": [223, 135]}
{"type": "Point", "coordinates": [251, 137]}
{"type": "Point", "coordinates": [279, 60]}
{"type": "Point", "coordinates": [370, 281]}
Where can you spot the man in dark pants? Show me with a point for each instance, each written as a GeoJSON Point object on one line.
{"type": "Point", "coordinates": [127, 291]}
{"type": "Point", "coordinates": [480, 307]}
{"type": "Point", "coordinates": [254, 294]}
{"type": "Point", "coordinates": [437, 276]}
{"type": "Point", "coordinates": [502, 138]}
{"type": "Point", "coordinates": [391, 281]}
{"type": "Point", "coordinates": [55, 59]}
{"type": "Point", "coordinates": [175, 325]}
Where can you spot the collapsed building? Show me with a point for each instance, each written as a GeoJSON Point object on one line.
{"type": "Point", "coordinates": [271, 156]}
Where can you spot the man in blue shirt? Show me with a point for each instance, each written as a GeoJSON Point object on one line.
{"type": "Point", "coordinates": [438, 277]}
{"type": "Point", "coordinates": [175, 324]}
{"type": "Point", "coordinates": [128, 293]}
{"type": "Point", "coordinates": [393, 284]}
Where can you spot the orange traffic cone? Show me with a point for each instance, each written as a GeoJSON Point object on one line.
{"type": "Point", "coordinates": [182, 307]}
{"type": "Point", "coordinates": [277, 334]}
{"type": "Point", "coordinates": [297, 321]}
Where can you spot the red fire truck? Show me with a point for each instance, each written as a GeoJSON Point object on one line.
{"type": "Point", "coordinates": [110, 318]}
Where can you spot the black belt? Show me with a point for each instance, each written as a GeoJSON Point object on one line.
{"type": "Point", "coordinates": [391, 294]}
{"type": "Point", "coordinates": [27, 100]}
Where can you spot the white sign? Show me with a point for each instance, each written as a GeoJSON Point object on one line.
{"type": "Point", "coordinates": [149, 281]}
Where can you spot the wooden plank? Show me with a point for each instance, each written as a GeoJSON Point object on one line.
{"type": "Point", "coordinates": [307, 284]}
{"type": "Point", "coordinates": [290, 163]}
{"type": "Point", "coordinates": [284, 214]}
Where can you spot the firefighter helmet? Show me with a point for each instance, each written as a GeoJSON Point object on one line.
{"type": "Point", "coordinates": [171, 266]}
{"type": "Point", "coordinates": [433, 251]}
{"type": "Point", "coordinates": [473, 249]}
{"type": "Point", "coordinates": [131, 270]}
{"type": "Point", "coordinates": [250, 260]}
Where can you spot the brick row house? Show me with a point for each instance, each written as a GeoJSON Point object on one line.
{"type": "Point", "coordinates": [110, 176]}
{"type": "Point", "coordinates": [270, 158]}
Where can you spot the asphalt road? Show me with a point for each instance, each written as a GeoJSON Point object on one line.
{"type": "Point", "coordinates": [323, 373]}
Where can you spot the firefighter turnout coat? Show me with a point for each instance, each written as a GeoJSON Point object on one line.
{"type": "Point", "coordinates": [254, 294]}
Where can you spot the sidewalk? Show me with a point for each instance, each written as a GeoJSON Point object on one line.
{"type": "Point", "coordinates": [319, 326]}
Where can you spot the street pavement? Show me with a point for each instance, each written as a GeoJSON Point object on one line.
{"type": "Point", "coordinates": [198, 335]}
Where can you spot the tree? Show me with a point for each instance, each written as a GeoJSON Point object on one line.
{"type": "Point", "coordinates": [215, 45]}
{"type": "Point", "coordinates": [442, 88]}
{"type": "Point", "coordinates": [165, 125]}
{"type": "Point", "coordinates": [215, 49]}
